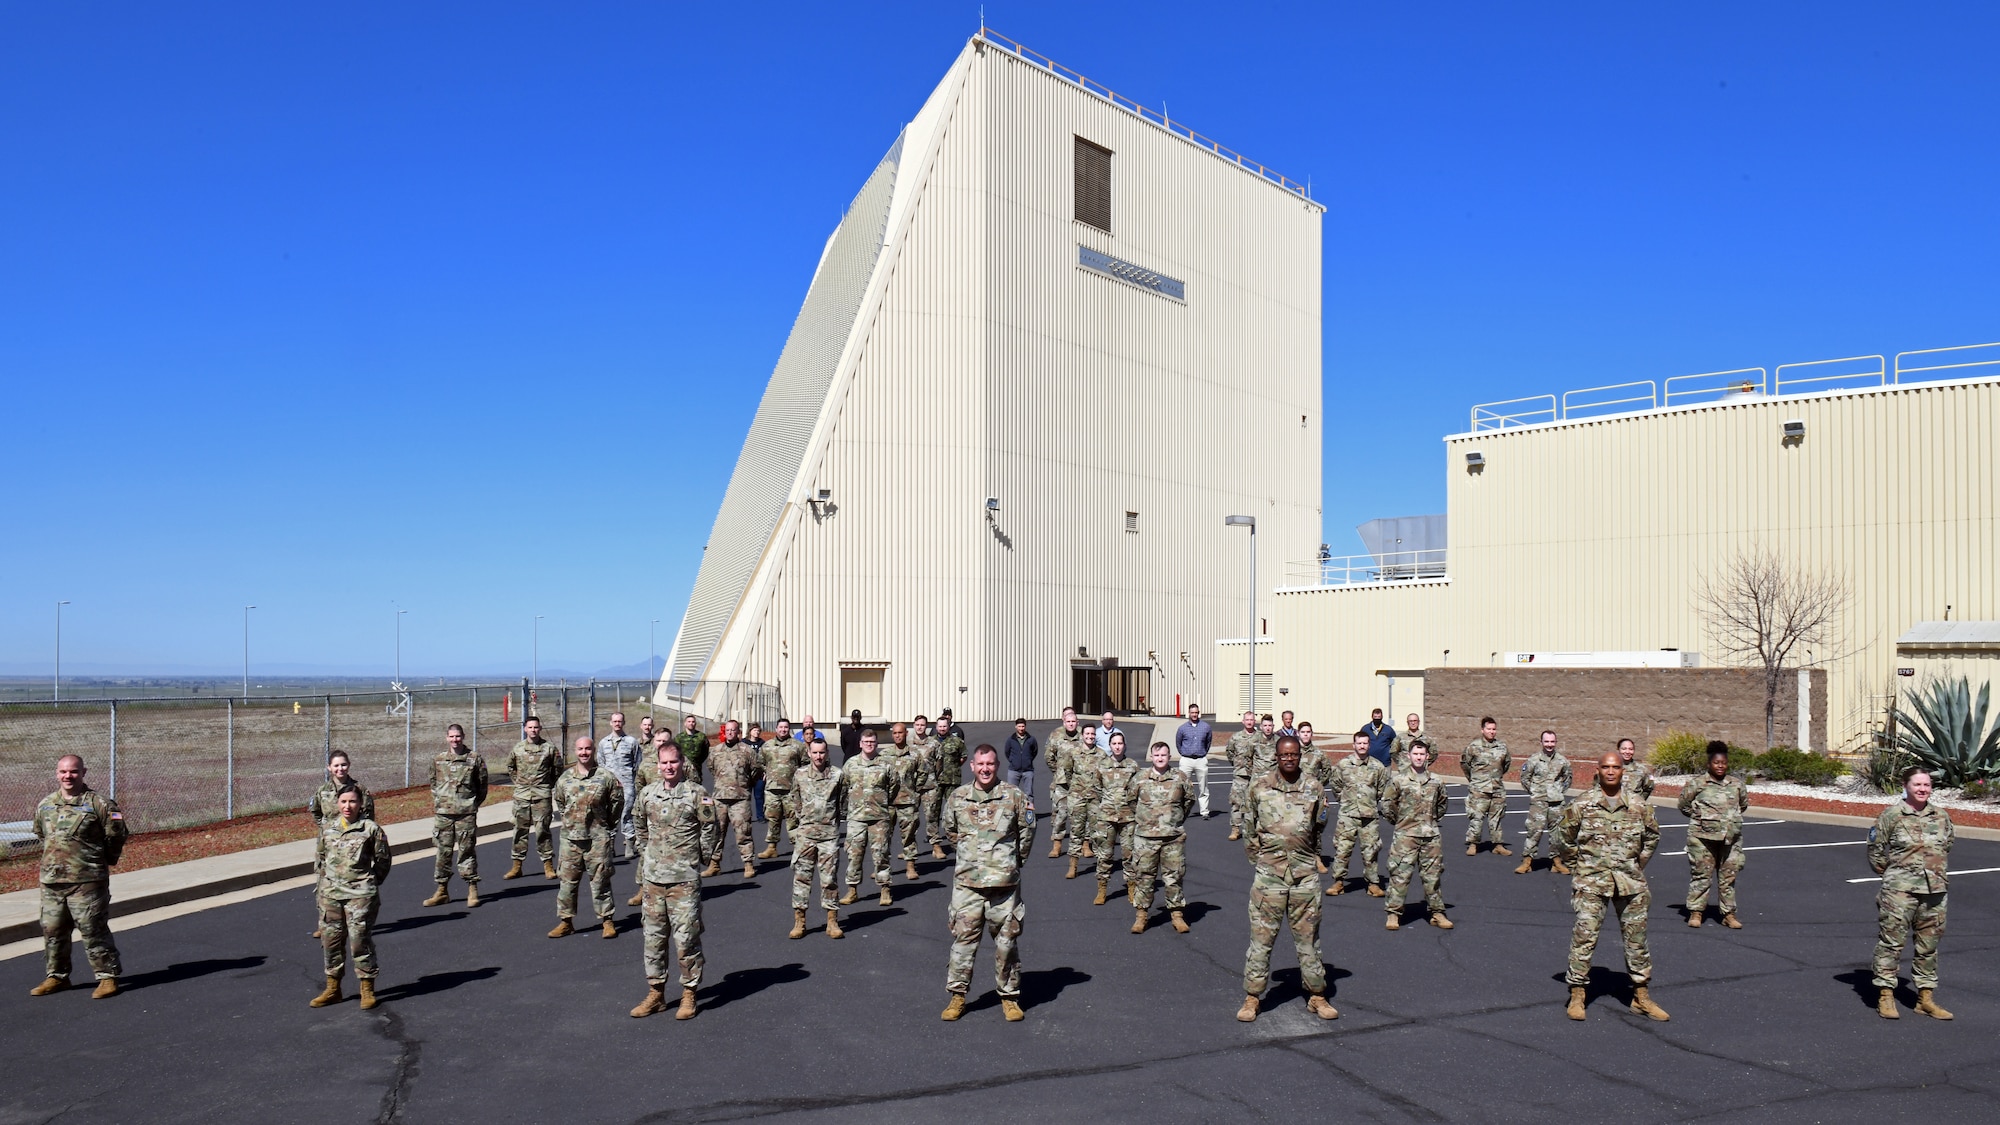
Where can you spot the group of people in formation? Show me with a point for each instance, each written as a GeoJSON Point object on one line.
{"type": "Point", "coordinates": [643, 795]}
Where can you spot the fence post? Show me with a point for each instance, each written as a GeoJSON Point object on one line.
{"type": "Point", "coordinates": [409, 706]}
{"type": "Point", "coordinates": [525, 712]}
{"type": "Point", "coordinates": [562, 711]}
{"type": "Point", "coordinates": [114, 749]}
{"type": "Point", "coordinates": [229, 763]}
{"type": "Point", "coordinates": [326, 731]}
{"type": "Point", "coordinates": [593, 710]}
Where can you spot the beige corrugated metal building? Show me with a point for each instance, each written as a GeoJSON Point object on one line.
{"type": "Point", "coordinates": [1580, 535]}
{"type": "Point", "coordinates": [986, 464]}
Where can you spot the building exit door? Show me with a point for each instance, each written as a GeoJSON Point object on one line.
{"type": "Point", "coordinates": [1087, 689]}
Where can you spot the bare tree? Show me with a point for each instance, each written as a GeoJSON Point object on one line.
{"type": "Point", "coordinates": [1760, 608]}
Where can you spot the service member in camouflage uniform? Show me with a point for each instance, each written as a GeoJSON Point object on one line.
{"type": "Point", "coordinates": [677, 832]}
{"type": "Point", "coordinates": [782, 757]}
{"type": "Point", "coordinates": [1609, 835]}
{"type": "Point", "coordinates": [1546, 777]}
{"type": "Point", "coordinates": [1638, 775]}
{"type": "Point", "coordinates": [991, 829]}
{"type": "Point", "coordinates": [532, 768]}
{"type": "Point", "coordinates": [737, 765]}
{"type": "Point", "coordinates": [693, 745]}
{"type": "Point", "coordinates": [949, 761]}
{"type": "Point", "coordinates": [1399, 754]}
{"type": "Point", "coordinates": [620, 753]}
{"type": "Point", "coordinates": [1359, 782]}
{"type": "Point", "coordinates": [1081, 775]}
{"type": "Point", "coordinates": [1159, 838]}
{"type": "Point", "coordinates": [1063, 744]}
{"type": "Point", "coordinates": [909, 789]}
{"type": "Point", "coordinates": [1909, 847]}
{"type": "Point", "coordinates": [871, 783]}
{"type": "Point", "coordinates": [1281, 829]}
{"type": "Point", "coordinates": [1250, 756]}
{"type": "Point", "coordinates": [821, 801]}
{"type": "Point", "coordinates": [1415, 801]}
{"type": "Point", "coordinates": [1714, 804]}
{"type": "Point", "coordinates": [930, 794]}
{"type": "Point", "coordinates": [82, 834]}
{"type": "Point", "coordinates": [590, 805]}
{"type": "Point", "coordinates": [325, 809]}
{"type": "Point", "coordinates": [458, 788]}
{"type": "Point", "coordinates": [1117, 803]}
{"type": "Point", "coordinates": [355, 860]}
{"type": "Point", "coordinates": [1485, 762]}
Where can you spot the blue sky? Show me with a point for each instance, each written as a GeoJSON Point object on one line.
{"type": "Point", "coordinates": [468, 306]}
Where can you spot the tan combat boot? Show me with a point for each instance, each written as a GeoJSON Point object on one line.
{"type": "Point", "coordinates": [1317, 1005]}
{"type": "Point", "coordinates": [749, 869]}
{"type": "Point", "coordinates": [686, 1011]}
{"type": "Point", "coordinates": [1694, 918]}
{"type": "Point", "coordinates": [937, 850]}
{"type": "Point", "coordinates": [53, 984]}
{"type": "Point", "coordinates": [1394, 923]}
{"type": "Point", "coordinates": [1642, 1003]}
{"type": "Point", "coordinates": [314, 935]}
{"type": "Point", "coordinates": [610, 929]}
{"type": "Point", "coordinates": [638, 897]}
{"type": "Point", "coordinates": [108, 986]}
{"type": "Point", "coordinates": [1088, 851]}
{"type": "Point", "coordinates": [563, 928]}
{"type": "Point", "coordinates": [368, 999]}
{"type": "Point", "coordinates": [1472, 849]}
{"type": "Point", "coordinates": [1054, 852]}
{"type": "Point", "coordinates": [910, 870]}
{"type": "Point", "coordinates": [833, 929]}
{"type": "Point", "coordinates": [798, 925]}
{"type": "Point", "coordinates": [1322, 864]}
{"type": "Point", "coordinates": [1072, 867]}
{"type": "Point", "coordinates": [852, 893]}
{"type": "Point", "coordinates": [1730, 921]}
{"type": "Point", "coordinates": [1885, 1005]}
{"type": "Point", "coordinates": [953, 1008]}
{"type": "Point", "coordinates": [1928, 1005]}
{"type": "Point", "coordinates": [655, 1001]}
{"type": "Point", "coordinates": [1102, 885]}
{"type": "Point", "coordinates": [1502, 849]}
{"type": "Point", "coordinates": [1557, 865]}
{"type": "Point", "coordinates": [1527, 864]}
{"type": "Point", "coordinates": [1180, 923]}
{"type": "Point", "coordinates": [471, 895]}
{"type": "Point", "coordinates": [1236, 833]}
{"type": "Point", "coordinates": [1575, 1009]}
{"type": "Point", "coordinates": [1248, 1012]}
{"type": "Point", "coordinates": [329, 995]}
{"type": "Point", "coordinates": [1011, 1008]}
{"type": "Point", "coordinates": [1375, 891]}
{"type": "Point", "coordinates": [770, 850]}
{"type": "Point", "coordinates": [440, 898]}
{"type": "Point", "coordinates": [886, 898]}
{"type": "Point", "coordinates": [513, 872]}
{"type": "Point", "coordinates": [713, 869]}
{"type": "Point", "coordinates": [1440, 921]}
{"type": "Point", "coordinates": [1139, 922]}
{"type": "Point", "coordinates": [1338, 886]}
{"type": "Point", "coordinates": [548, 869]}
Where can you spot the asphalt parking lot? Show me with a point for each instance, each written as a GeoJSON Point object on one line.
{"type": "Point", "coordinates": [485, 1019]}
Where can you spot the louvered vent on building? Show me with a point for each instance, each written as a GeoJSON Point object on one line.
{"type": "Point", "coordinates": [1132, 521]}
{"type": "Point", "coordinates": [1093, 185]}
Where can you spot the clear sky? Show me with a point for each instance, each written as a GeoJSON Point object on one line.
{"type": "Point", "coordinates": [468, 306]}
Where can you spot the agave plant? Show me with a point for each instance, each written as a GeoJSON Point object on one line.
{"type": "Point", "coordinates": [1945, 730]}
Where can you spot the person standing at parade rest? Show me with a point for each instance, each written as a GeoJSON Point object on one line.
{"type": "Point", "coordinates": [1714, 804]}
{"type": "Point", "coordinates": [458, 788]}
{"type": "Point", "coordinates": [356, 861]}
{"type": "Point", "coordinates": [325, 809]}
{"type": "Point", "coordinates": [1021, 751]}
{"type": "Point", "coordinates": [1117, 800]}
{"type": "Point", "coordinates": [950, 760]}
{"type": "Point", "coordinates": [821, 802]}
{"type": "Point", "coordinates": [1399, 755]}
{"type": "Point", "coordinates": [872, 783]}
{"type": "Point", "coordinates": [991, 828]}
{"type": "Point", "coordinates": [1638, 775]}
{"type": "Point", "coordinates": [930, 791]}
{"type": "Point", "coordinates": [1546, 777]}
{"type": "Point", "coordinates": [677, 834]}
{"type": "Point", "coordinates": [1281, 829]}
{"type": "Point", "coordinates": [1910, 847]}
{"type": "Point", "coordinates": [1288, 725]}
{"type": "Point", "coordinates": [1159, 839]}
{"type": "Point", "coordinates": [783, 756]}
{"type": "Point", "coordinates": [532, 769]}
{"type": "Point", "coordinates": [736, 767]}
{"type": "Point", "coordinates": [1360, 783]}
{"type": "Point", "coordinates": [692, 742]}
{"type": "Point", "coordinates": [590, 805]}
{"type": "Point", "coordinates": [620, 753]}
{"type": "Point", "coordinates": [1192, 742]}
{"type": "Point", "coordinates": [1063, 742]}
{"type": "Point", "coordinates": [1381, 737]}
{"type": "Point", "coordinates": [850, 737]}
{"type": "Point", "coordinates": [1083, 793]}
{"type": "Point", "coordinates": [83, 836]}
{"type": "Point", "coordinates": [1249, 755]}
{"type": "Point", "coordinates": [1608, 837]}
{"type": "Point", "coordinates": [1485, 762]}
{"type": "Point", "coordinates": [909, 791]}
{"type": "Point", "coordinates": [1416, 802]}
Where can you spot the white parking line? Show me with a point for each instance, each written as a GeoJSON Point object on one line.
{"type": "Point", "coordinates": [1967, 871]}
{"type": "Point", "coordinates": [1788, 847]}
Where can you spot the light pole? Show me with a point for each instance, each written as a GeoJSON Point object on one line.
{"type": "Point", "coordinates": [1251, 523]}
{"type": "Point", "coordinates": [652, 647]}
{"type": "Point", "coordinates": [59, 606]}
{"type": "Point", "coordinates": [400, 611]}
{"type": "Point", "coordinates": [535, 677]}
{"type": "Point", "coordinates": [246, 652]}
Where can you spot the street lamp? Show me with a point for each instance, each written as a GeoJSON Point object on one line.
{"type": "Point", "coordinates": [400, 611]}
{"type": "Point", "coordinates": [536, 672]}
{"type": "Point", "coordinates": [59, 606]}
{"type": "Point", "coordinates": [1251, 637]}
{"type": "Point", "coordinates": [246, 652]}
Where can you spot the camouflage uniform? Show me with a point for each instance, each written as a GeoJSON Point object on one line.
{"type": "Point", "coordinates": [1607, 842]}
{"type": "Point", "coordinates": [532, 767]}
{"type": "Point", "coordinates": [356, 859]}
{"type": "Point", "coordinates": [458, 788]}
{"type": "Point", "coordinates": [693, 746]}
{"type": "Point", "coordinates": [1715, 838]}
{"type": "Point", "coordinates": [1639, 779]}
{"type": "Point", "coordinates": [1083, 792]}
{"type": "Point", "coordinates": [991, 832]}
{"type": "Point", "coordinates": [82, 838]}
{"type": "Point", "coordinates": [1546, 777]}
{"type": "Point", "coordinates": [1251, 756]}
{"type": "Point", "coordinates": [1117, 802]}
{"type": "Point", "coordinates": [1360, 786]}
{"type": "Point", "coordinates": [1281, 829]}
{"type": "Point", "coordinates": [737, 768]}
{"type": "Point", "coordinates": [1399, 754]}
{"type": "Point", "coordinates": [948, 762]}
{"type": "Point", "coordinates": [325, 809]}
{"type": "Point", "coordinates": [821, 800]}
{"type": "Point", "coordinates": [1908, 849]}
{"type": "Point", "coordinates": [620, 753]}
{"type": "Point", "coordinates": [782, 758]}
{"type": "Point", "coordinates": [590, 806]}
{"type": "Point", "coordinates": [1159, 837]}
{"type": "Point", "coordinates": [1416, 802]}
{"type": "Point", "coordinates": [1062, 747]}
{"type": "Point", "coordinates": [677, 835]}
{"type": "Point", "coordinates": [1485, 765]}
{"type": "Point", "coordinates": [870, 796]}
{"type": "Point", "coordinates": [910, 771]}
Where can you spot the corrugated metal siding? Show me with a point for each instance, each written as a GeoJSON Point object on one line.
{"type": "Point", "coordinates": [1590, 536]}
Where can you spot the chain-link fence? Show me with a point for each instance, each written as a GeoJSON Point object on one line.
{"type": "Point", "coordinates": [174, 762]}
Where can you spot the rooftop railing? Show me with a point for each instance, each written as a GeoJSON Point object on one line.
{"type": "Point", "coordinates": [1965, 361]}
{"type": "Point", "coordinates": [1359, 570]}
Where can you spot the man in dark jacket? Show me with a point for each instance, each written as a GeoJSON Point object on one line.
{"type": "Point", "coordinates": [1021, 750]}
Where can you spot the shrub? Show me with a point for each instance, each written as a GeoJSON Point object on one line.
{"type": "Point", "coordinates": [1885, 767]}
{"type": "Point", "coordinates": [1784, 763]}
{"type": "Point", "coordinates": [1945, 730]}
{"type": "Point", "coordinates": [1979, 790]}
{"type": "Point", "coordinates": [1682, 753]}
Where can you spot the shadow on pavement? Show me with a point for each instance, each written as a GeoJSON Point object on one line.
{"type": "Point", "coordinates": [438, 982]}
{"type": "Point", "coordinates": [1863, 983]}
{"type": "Point", "coordinates": [1286, 987]}
{"type": "Point", "coordinates": [1037, 988]}
{"type": "Point", "coordinates": [1196, 911]}
{"type": "Point", "coordinates": [862, 919]}
{"type": "Point", "coordinates": [517, 892]}
{"type": "Point", "coordinates": [748, 982]}
{"type": "Point", "coordinates": [717, 890]}
{"type": "Point", "coordinates": [417, 921]}
{"type": "Point", "coordinates": [188, 970]}
{"type": "Point", "coordinates": [1602, 982]}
